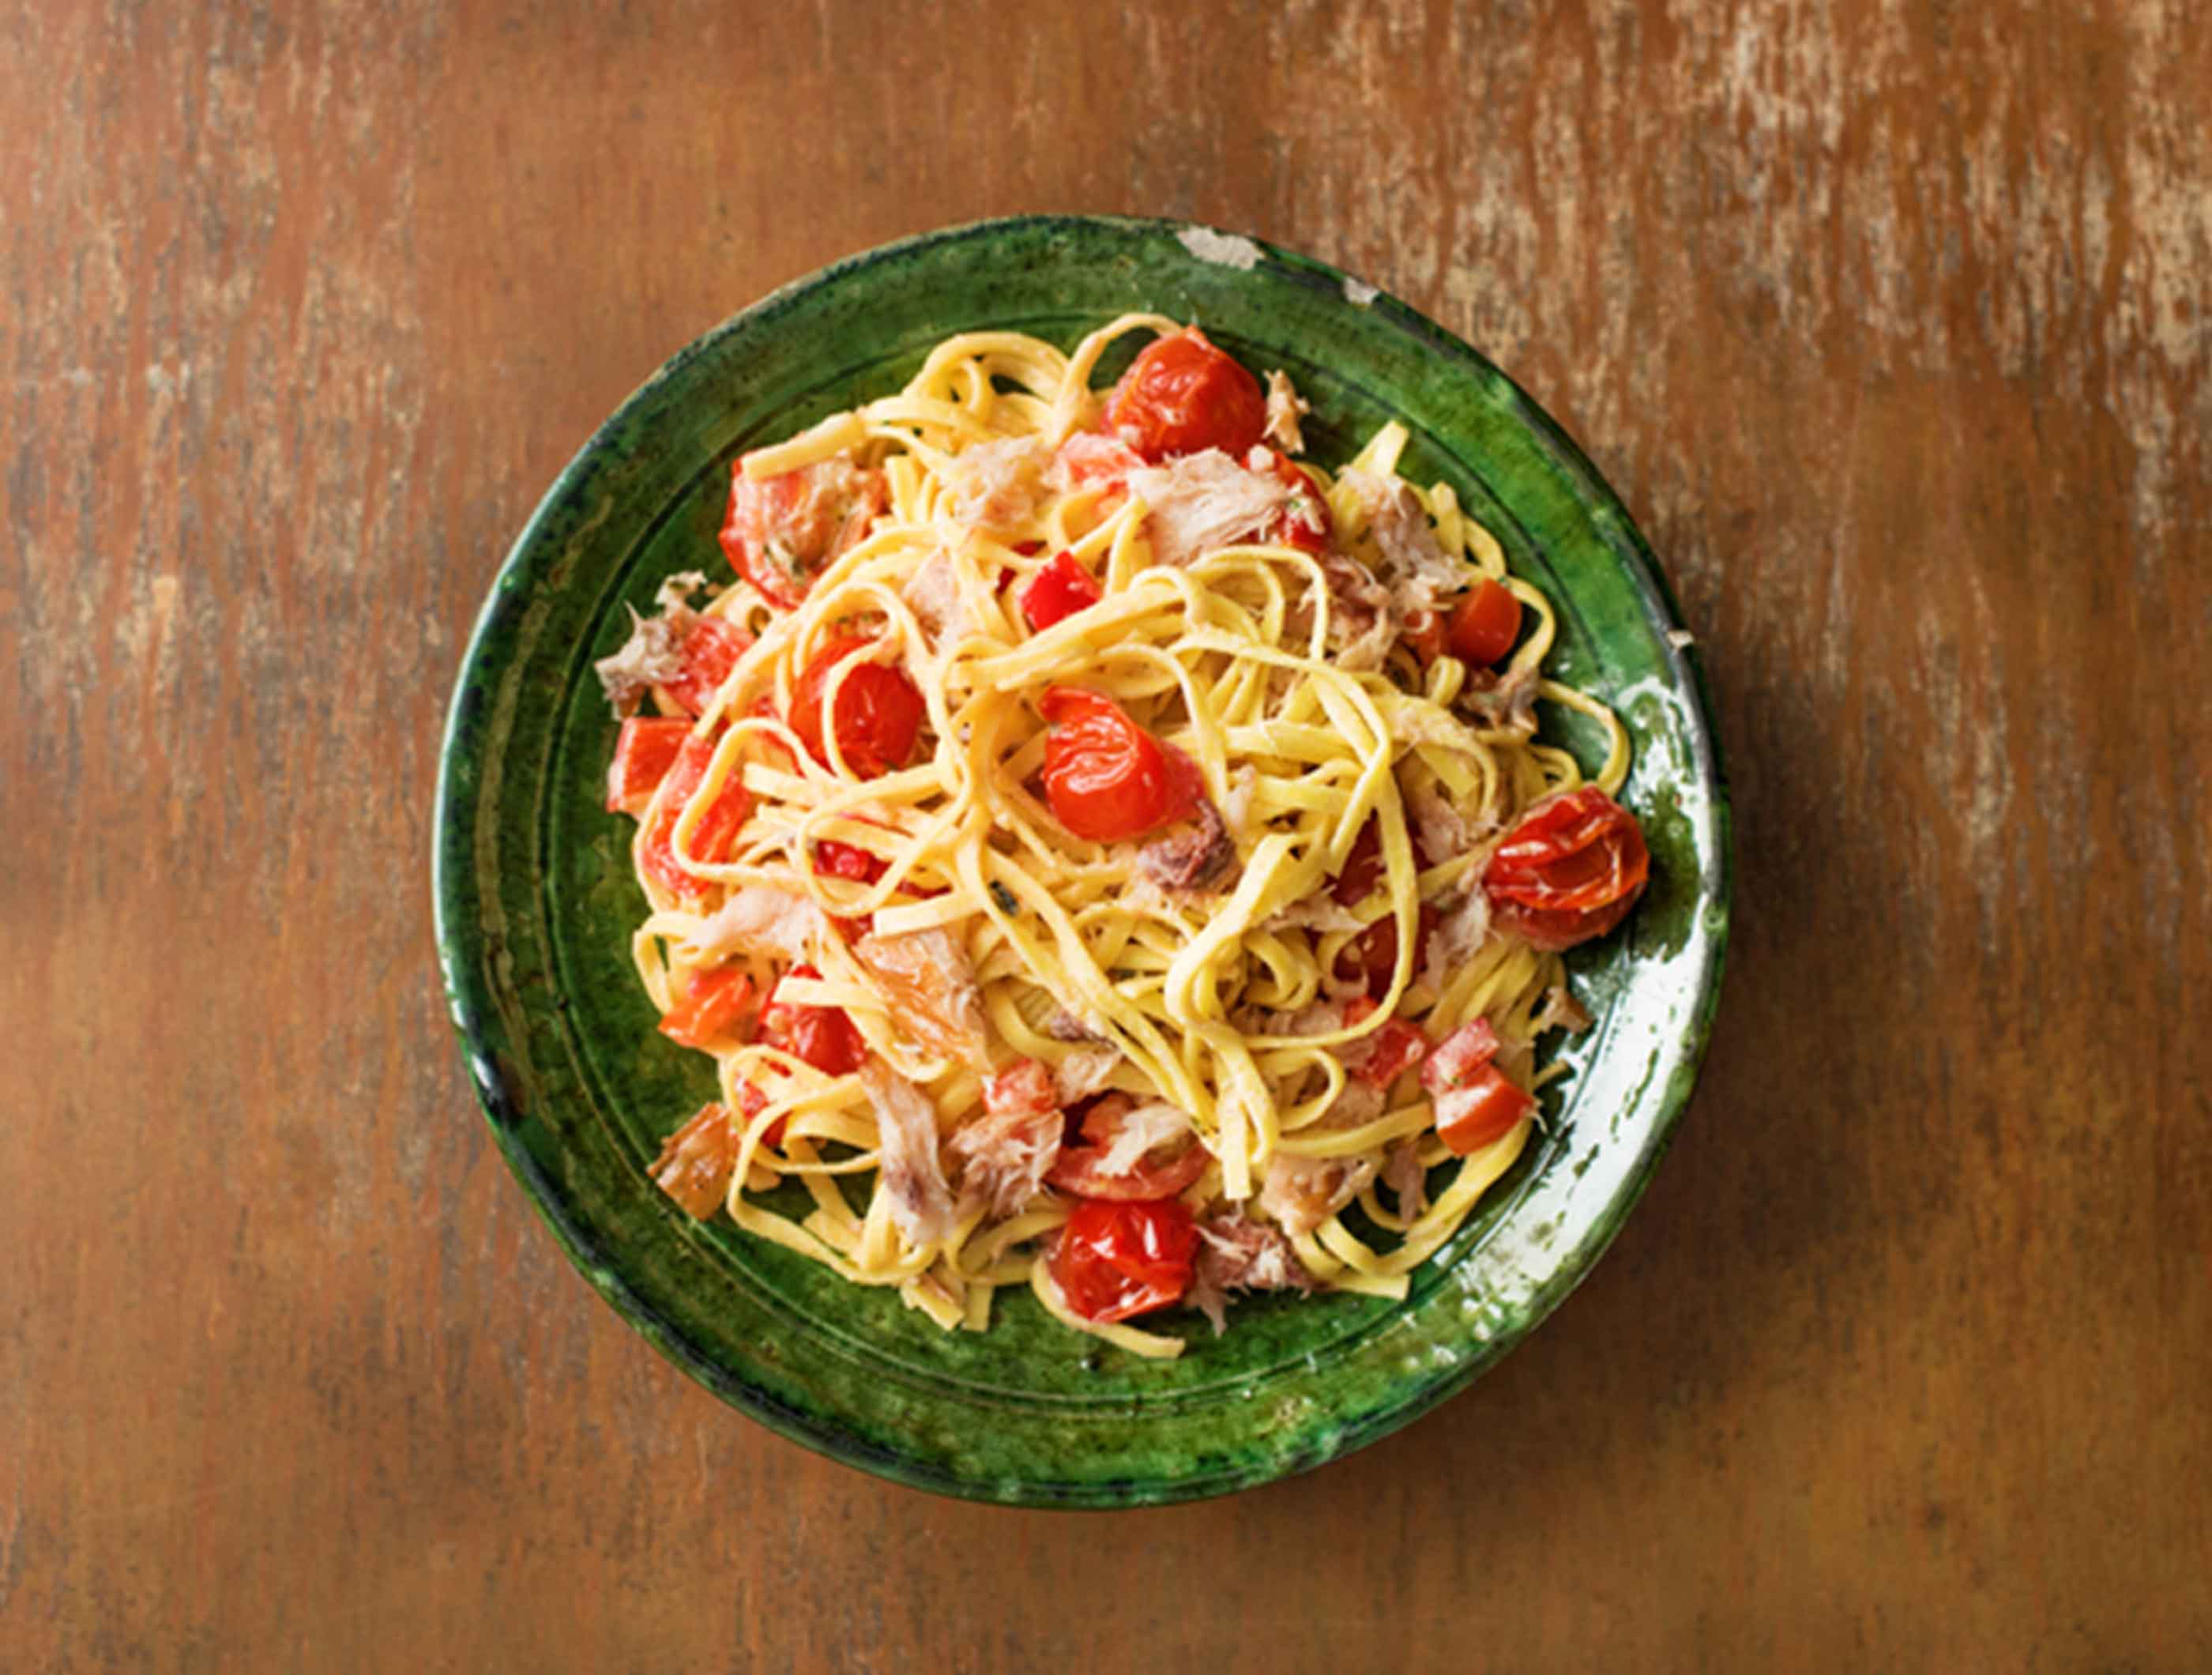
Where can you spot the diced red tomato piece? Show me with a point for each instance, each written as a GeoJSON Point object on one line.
{"type": "Point", "coordinates": [835, 859]}
{"type": "Point", "coordinates": [1106, 778]}
{"type": "Point", "coordinates": [710, 839]}
{"type": "Point", "coordinates": [751, 1103]}
{"type": "Point", "coordinates": [1161, 1173]}
{"type": "Point", "coordinates": [783, 531]}
{"type": "Point", "coordinates": [1475, 1102]}
{"type": "Point", "coordinates": [1181, 395]}
{"type": "Point", "coordinates": [1569, 871]}
{"type": "Point", "coordinates": [880, 710]}
{"type": "Point", "coordinates": [1305, 523]}
{"type": "Point", "coordinates": [1485, 624]}
{"type": "Point", "coordinates": [822, 1035]}
{"type": "Point", "coordinates": [1116, 1260]}
{"type": "Point", "coordinates": [1024, 1088]}
{"type": "Point", "coordinates": [1471, 1117]}
{"type": "Point", "coordinates": [1459, 1056]}
{"type": "Point", "coordinates": [1061, 588]}
{"type": "Point", "coordinates": [713, 1011]}
{"type": "Point", "coordinates": [1373, 954]}
{"type": "Point", "coordinates": [710, 651]}
{"type": "Point", "coordinates": [645, 750]}
{"type": "Point", "coordinates": [1394, 1047]}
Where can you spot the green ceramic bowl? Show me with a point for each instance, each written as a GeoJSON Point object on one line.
{"type": "Point", "coordinates": [535, 900]}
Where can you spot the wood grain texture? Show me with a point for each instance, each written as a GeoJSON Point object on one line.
{"type": "Point", "coordinates": [1893, 325]}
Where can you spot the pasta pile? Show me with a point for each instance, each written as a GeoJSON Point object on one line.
{"type": "Point", "coordinates": [1236, 1002]}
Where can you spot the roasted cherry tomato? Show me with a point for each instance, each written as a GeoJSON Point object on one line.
{"type": "Point", "coordinates": [1159, 1173]}
{"type": "Point", "coordinates": [1305, 523]}
{"type": "Point", "coordinates": [1569, 871]}
{"type": "Point", "coordinates": [1475, 1103]}
{"type": "Point", "coordinates": [1373, 954]}
{"type": "Point", "coordinates": [1104, 775]}
{"type": "Point", "coordinates": [710, 651]}
{"type": "Point", "coordinates": [713, 1010]}
{"type": "Point", "coordinates": [1424, 630]}
{"type": "Point", "coordinates": [783, 531]}
{"type": "Point", "coordinates": [822, 1035]}
{"type": "Point", "coordinates": [1115, 1260]}
{"type": "Point", "coordinates": [1061, 588]}
{"type": "Point", "coordinates": [1484, 625]}
{"type": "Point", "coordinates": [645, 750]}
{"type": "Point", "coordinates": [880, 710]}
{"type": "Point", "coordinates": [1181, 395]}
{"type": "Point", "coordinates": [710, 839]}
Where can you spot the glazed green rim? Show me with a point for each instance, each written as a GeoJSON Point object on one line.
{"type": "Point", "coordinates": [567, 1069]}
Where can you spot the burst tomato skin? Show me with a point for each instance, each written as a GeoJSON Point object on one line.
{"type": "Point", "coordinates": [1058, 591]}
{"type": "Point", "coordinates": [1484, 625]}
{"type": "Point", "coordinates": [645, 750]}
{"type": "Point", "coordinates": [710, 651]}
{"type": "Point", "coordinates": [822, 1035]}
{"type": "Point", "coordinates": [711, 838]}
{"type": "Point", "coordinates": [1181, 395]}
{"type": "Point", "coordinates": [879, 710]}
{"type": "Point", "coordinates": [782, 531]}
{"type": "Point", "coordinates": [1569, 871]}
{"type": "Point", "coordinates": [1077, 1169]}
{"type": "Point", "coordinates": [1105, 777]}
{"type": "Point", "coordinates": [1115, 1260]}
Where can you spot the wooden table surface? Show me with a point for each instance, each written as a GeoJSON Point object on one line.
{"type": "Point", "coordinates": [1892, 324]}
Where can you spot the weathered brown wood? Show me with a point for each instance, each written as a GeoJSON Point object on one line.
{"type": "Point", "coordinates": [1892, 323]}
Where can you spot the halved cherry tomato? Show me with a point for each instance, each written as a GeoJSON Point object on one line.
{"type": "Point", "coordinates": [1061, 588]}
{"type": "Point", "coordinates": [710, 839]}
{"type": "Point", "coordinates": [1104, 775]}
{"type": "Point", "coordinates": [1115, 1260]}
{"type": "Point", "coordinates": [1569, 871]}
{"type": "Point", "coordinates": [1305, 523]}
{"type": "Point", "coordinates": [645, 750]}
{"type": "Point", "coordinates": [1484, 625]}
{"type": "Point", "coordinates": [822, 1035]}
{"type": "Point", "coordinates": [1373, 954]}
{"type": "Point", "coordinates": [1475, 1103]}
{"type": "Point", "coordinates": [1024, 1088]}
{"type": "Point", "coordinates": [710, 651]}
{"type": "Point", "coordinates": [713, 1010]}
{"type": "Point", "coordinates": [783, 531]}
{"type": "Point", "coordinates": [1160, 1173]}
{"type": "Point", "coordinates": [1181, 395]}
{"type": "Point", "coordinates": [879, 710]}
